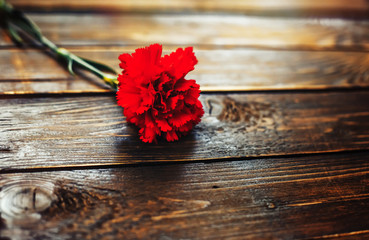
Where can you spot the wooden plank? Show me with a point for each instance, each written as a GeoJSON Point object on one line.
{"type": "Point", "coordinates": [355, 8]}
{"type": "Point", "coordinates": [315, 197]}
{"type": "Point", "coordinates": [31, 71]}
{"type": "Point", "coordinates": [231, 31]}
{"type": "Point", "coordinates": [91, 130]}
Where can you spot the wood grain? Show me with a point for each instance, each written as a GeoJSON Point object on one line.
{"type": "Point", "coordinates": [91, 131]}
{"type": "Point", "coordinates": [312, 197]}
{"type": "Point", "coordinates": [231, 31]}
{"type": "Point", "coordinates": [261, 165]}
{"type": "Point", "coordinates": [31, 71]}
{"type": "Point", "coordinates": [332, 8]}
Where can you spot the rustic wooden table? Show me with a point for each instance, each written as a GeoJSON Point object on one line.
{"type": "Point", "coordinates": [281, 152]}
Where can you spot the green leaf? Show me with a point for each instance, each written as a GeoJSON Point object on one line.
{"type": "Point", "coordinates": [100, 66]}
{"type": "Point", "coordinates": [28, 25]}
{"type": "Point", "coordinates": [25, 28]}
{"type": "Point", "coordinates": [14, 35]}
{"type": "Point", "coordinates": [70, 66]}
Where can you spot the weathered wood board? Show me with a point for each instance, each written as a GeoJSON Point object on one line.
{"type": "Point", "coordinates": [230, 31]}
{"type": "Point", "coordinates": [281, 153]}
{"type": "Point", "coordinates": [91, 130]}
{"type": "Point", "coordinates": [332, 8]}
{"type": "Point", "coordinates": [313, 197]}
{"type": "Point", "coordinates": [32, 71]}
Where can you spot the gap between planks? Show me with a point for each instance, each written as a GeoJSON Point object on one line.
{"type": "Point", "coordinates": [98, 166]}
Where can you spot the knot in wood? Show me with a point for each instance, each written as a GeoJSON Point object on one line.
{"type": "Point", "coordinates": [249, 112]}
{"type": "Point", "coordinates": [23, 201]}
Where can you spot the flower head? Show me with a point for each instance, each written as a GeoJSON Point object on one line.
{"type": "Point", "coordinates": [155, 94]}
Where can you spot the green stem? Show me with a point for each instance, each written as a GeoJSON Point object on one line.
{"type": "Point", "coordinates": [9, 17]}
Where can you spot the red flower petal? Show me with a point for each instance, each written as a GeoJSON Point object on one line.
{"type": "Point", "coordinates": [143, 62]}
{"type": "Point", "coordinates": [171, 136]}
{"type": "Point", "coordinates": [155, 95]}
{"type": "Point", "coordinates": [163, 125]}
{"type": "Point", "coordinates": [180, 62]}
{"type": "Point", "coordinates": [180, 118]}
{"type": "Point", "coordinates": [172, 101]}
{"type": "Point", "coordinates": [191, 96]}
{"type": "Point", "coordinates": [147, 135]}
{"type": "Point", "coordinates": [187, 127]}
{"type": "Point", "coordinates": [183, 85]}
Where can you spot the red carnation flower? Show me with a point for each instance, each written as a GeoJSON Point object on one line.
{"type": "Point", "coordinates": [155, 94]}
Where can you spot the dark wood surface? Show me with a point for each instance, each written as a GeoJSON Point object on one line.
{"type": "Point", "coordinates": [213, 30]}
{"type": "Point", "coordinates": [31, 71]}
{"type": "Point", "coordinates": [281, 153]}
{"type": "Point", "coordinates": [312, 197]}
{"type": "Point", "coordinates": [331, 8]}
{"type": "Point", "coordinates": [90, 131]}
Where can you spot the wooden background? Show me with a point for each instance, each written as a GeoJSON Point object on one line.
{"type": "Point", "coordinates": [281, 152]}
